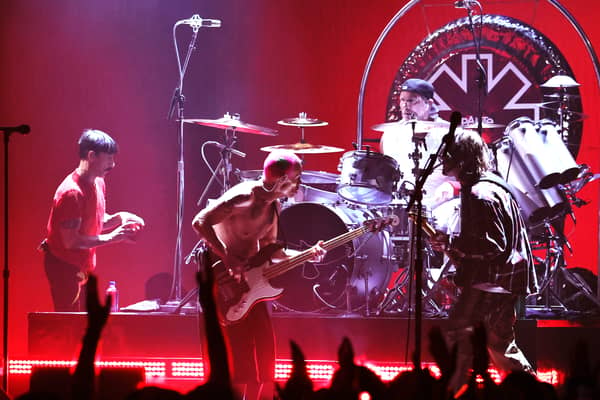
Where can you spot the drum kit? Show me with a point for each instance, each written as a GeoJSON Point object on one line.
{"type": "Point", "coordinates": [371, 274]}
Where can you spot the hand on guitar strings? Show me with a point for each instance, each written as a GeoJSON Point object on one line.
{"type": "Point", "coordinates": [235, 266]}
{"type": "Point", "coordinates": [319, 252]}
{"type": "Point", "coordinates": [439, 241]}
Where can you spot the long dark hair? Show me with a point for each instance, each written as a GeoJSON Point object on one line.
{"type": "Point", "coordinates": [471, 154]}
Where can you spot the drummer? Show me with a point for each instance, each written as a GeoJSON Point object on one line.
{"type": "Point", "coordinates": [399, 140]}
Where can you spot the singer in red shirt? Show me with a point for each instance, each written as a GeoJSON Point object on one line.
{"type": "Point", "coordinates": [79, 223]}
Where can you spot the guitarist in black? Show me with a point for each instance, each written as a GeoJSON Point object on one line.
{"type": "Point", "coordinates": [492, 256]}
{"type": "Point", "coordinates": [239, 228]}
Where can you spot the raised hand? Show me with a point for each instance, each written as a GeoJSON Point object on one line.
{"type": "Point", "coordinates": [97, 312]}
{"type": "Point", "coordinates": [299, 386]}
{"type": "Point", "coordinates": [444, 358]}
{"type": "Point", "coordinates": [481, 358]}
{"type": "Point", "coordinates": [83, 377]}
{"type": "Point", "coordinates": [206, 283]}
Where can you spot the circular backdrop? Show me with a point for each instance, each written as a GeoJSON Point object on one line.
{"type": "Point", "coordinates": [516, 59]}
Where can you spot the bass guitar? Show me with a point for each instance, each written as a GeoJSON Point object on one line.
{"type": "Point", "coordinates": [235, 297]}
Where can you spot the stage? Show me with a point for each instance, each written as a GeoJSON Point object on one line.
{"type": "Point", "coordinates": [377, 340]}
{"type": "Point", "coordinates": [332, 73]}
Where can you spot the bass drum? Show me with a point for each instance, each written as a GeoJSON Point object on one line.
{"type": "Point", "coordinates": [351, 276]}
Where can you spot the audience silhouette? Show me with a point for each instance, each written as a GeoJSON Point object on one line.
{"type": "Point", "coordinates": [350, 380]}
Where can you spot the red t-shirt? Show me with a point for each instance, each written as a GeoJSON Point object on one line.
{"type": "Point", "coordinates": [76, 198]}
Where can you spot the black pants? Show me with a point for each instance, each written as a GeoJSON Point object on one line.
{"type": "Point", "coordinates": [252, 344]}
{"type": "Point", "coordinates": [497, 313]}
{"type": "Point", "coordinates": [66, 284]}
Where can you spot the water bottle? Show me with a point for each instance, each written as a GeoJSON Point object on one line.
{"type": "Point", "coordinates": [114, 292]}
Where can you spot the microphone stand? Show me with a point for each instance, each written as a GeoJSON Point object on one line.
{"type": "Point", "coordinates": [416, 198]}
{"type": "Point", "coordinates": [6, 270]}
{"type": "Point", "coordinates": [178, 102]}
{"type": "Point", "coordinates": [482, 76]}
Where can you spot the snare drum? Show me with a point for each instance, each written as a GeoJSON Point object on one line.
{"type": "Point", "coordinates": [316, 186]}
{"type": "Point", "coordinates": [367, 177]}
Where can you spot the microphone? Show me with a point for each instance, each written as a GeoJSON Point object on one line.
{"type": "Point", "coordinates": [196, 22]}
{"type": "Point", "coordinates": [455, 120]}
{"type": "Point", "coordinates": [223, 147]}
{"type": "Point", "coordinates": [466, 4]}
{"type": "Point", "coordinates": [22, 129]}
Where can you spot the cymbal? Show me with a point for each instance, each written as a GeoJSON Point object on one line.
{"type": "Point", "coordinates": [484, 125]}
{"type": "Point", "coordinates": [547, 104]}
{"type": "Point", "coordinates": [584, 178]}
{"type": "Point", "coordinates": [420, 126]}
{"type": "Point", "coordinates": [302, 121]}
{"type": "Point", "coordinates": [560, 81]}
{"type": "Point", "coordinates": [304, 148]}
{"type": "Point", "coordinates": [556, 103]}
{"type": "Point", "coordinates": [562, 96]}
{"type": "Point", "coordinates": [233, 122]}
{"type": "Point", "coordinates": [566, 112]}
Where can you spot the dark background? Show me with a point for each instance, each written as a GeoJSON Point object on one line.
{"type": "Point", "coordinates": [67, 65]}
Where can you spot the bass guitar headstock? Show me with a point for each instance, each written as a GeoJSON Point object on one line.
{"type": "Point", "coordinates": [377, 224]}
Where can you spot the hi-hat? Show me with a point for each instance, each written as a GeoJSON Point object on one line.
{"type": "Point", "coordinates": [419, 126]}
{"type": "Point", "coordinates": [232, 122]}
{"type": "Point", "coordinates": [304, 148]}
{"type": "Point", "coordinates": [560, 81]}
{"type": "Point", "coordinates": [484, 125]}
{"type": "Point", "coordinates": [302, 121]}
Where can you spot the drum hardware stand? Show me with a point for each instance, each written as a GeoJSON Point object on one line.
{"type": "Point", "coordinates": [401, 300]}
{"type": "Point", "coordinates": [563, 110]}
{"type": "Point", "coordinates": [349, 289]}
{"type": "Point", "coordinates": [394, 299]}
{"type": "Point", "coordinates": [435, 289]}
{"type": "Point", "coordinates": [199, 255]}
{"type": "Point", "coordinates": [365, 272]}
{"type": "Point", "coordinates": [482, 76]}
{"type": "Point", "coordinates": [224, 168]}
{"type": "Point", "coordinates": [416, 155]}
{"type": "Point", "coordinates": [554, 266]}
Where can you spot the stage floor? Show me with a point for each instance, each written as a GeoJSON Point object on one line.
{"type": "Point", "coordinates": [546, 342]}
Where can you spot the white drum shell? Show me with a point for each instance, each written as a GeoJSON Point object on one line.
{"type": "Point", "coordinates": [530, 147]}
{"type": "Point", "coordinates": [536, 204]}
{"type": "Point", "coordinates": [555, 149]}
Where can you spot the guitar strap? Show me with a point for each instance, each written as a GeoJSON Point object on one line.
{"type": "Point", "coordinates": [493, 178]}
